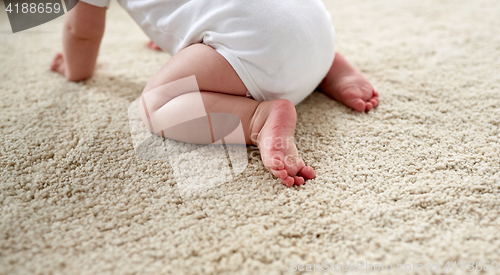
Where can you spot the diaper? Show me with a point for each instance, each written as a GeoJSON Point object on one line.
{"type": "Point", "coordinates": [280, 50]}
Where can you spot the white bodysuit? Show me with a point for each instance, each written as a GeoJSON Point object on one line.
{"type": "Point", "coordinates": [281, 49]}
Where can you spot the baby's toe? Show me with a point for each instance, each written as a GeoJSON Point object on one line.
{"type": "Point", "coordinates": [288, 181]}
{"type": "Point", "coordinates": [307, 172]}
{"type": "Point", "coordinates": [357, 104]}
{"type": "Point", "coordinates": [281, 174]}
{"type": "Point", "coordinates": [374, 102]}
{"type": "Point", "coordinates": [298, 180]}
{"type": "Point", "coordinates": [369, 106]}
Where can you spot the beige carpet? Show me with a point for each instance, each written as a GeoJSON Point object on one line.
{"type": "Point", "coordinates": [415, 181]}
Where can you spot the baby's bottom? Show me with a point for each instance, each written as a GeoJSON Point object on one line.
{"type": "Point", "coordinates": [270, 125]}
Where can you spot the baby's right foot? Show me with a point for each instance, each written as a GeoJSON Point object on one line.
{"type": "Point", "coordinates": [273, 128]}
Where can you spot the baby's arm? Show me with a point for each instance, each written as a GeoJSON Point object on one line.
{"type": "Point", "coordinates": [82, 34]}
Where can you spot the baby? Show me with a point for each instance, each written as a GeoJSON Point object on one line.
{"type": "Point", "coordinates": [254, 59]}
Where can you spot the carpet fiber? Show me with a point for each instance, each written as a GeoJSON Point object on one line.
{"type": "Point", "coordinates": [415, 181]}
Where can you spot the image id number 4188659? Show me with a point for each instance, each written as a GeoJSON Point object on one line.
{"type": "Point", "coordinates": [33, 8]}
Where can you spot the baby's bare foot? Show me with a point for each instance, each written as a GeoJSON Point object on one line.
{"type": "Point", "coordinates": [276, 120]}
{"type": "Point", "coordinates": [348, 86]}
{"type": "Point", "coordinates": [152, 45]}
{"type": "Point", "coordinates": [57, 64]}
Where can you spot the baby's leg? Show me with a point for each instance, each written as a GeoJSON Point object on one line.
{"type": "Point", "coordinates": [270, 125]}
{"type": "Point", "coordinates": [348, 86]}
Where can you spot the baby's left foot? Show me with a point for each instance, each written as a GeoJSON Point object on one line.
{"type": "Point", "coordinates": [273, 131]}
{"type": "Point", "coordinates": [349, 86]}
{"type": "Point", "coordinates": [152, 45]}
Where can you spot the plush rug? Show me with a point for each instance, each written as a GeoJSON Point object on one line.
{"type": "Point", "coordinates": [415, 181]}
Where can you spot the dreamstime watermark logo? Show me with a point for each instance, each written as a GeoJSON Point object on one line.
{"type": "Point", "coordinates": [26, 14]}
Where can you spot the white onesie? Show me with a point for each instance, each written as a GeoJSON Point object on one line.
{"type": "Point", "coordinates": [279, 48]}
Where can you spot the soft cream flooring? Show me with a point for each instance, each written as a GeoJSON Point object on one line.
{"type": "Point", "coordinates": [415, 180]}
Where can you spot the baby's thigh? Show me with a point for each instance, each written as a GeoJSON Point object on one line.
{"type": "Point", "coordinates": [212, 71]}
